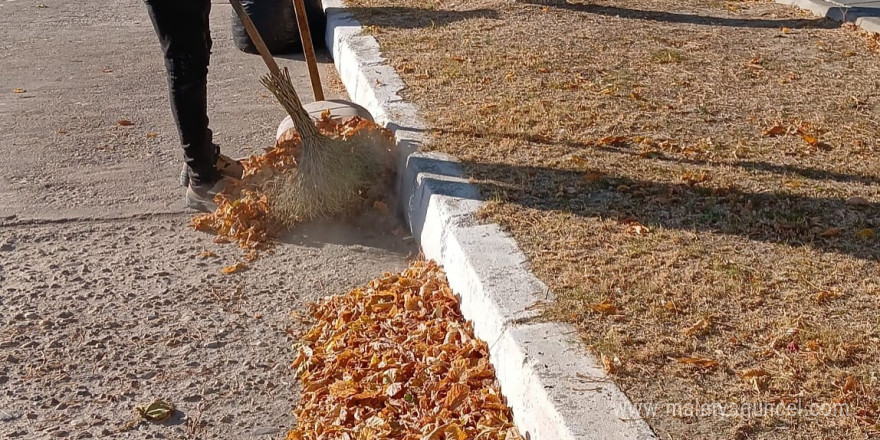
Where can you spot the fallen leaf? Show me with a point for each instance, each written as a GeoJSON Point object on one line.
{"type": "Point", "coordinates": [125, 122]}
{"type": "Point", "coordinates": [18, 90]}
{"type": "Point", "coordinates": [152, 135]}
{"type": "Point", "coordinates": [694, 177]}
{"type": "Point", "coordinates": [207, 254]}
{"type": "Point", "coordinates": [237, 267]}
{"type": "Point", "coordinates": [343, 389]}
{"type": "Point", "coordinates": [156, 411]}
{"type": "Point", "coordinates": [605, 307]}
{"type": "Point", "coordinates": [754, 372]}
{"type": "Point", "coordinates": [456, 396]}
{"type": "Point", "coordinates": [611, 140]}
{"type": "Point", "coordinates": [831, 232]}
{"type": "Point", "coordinates": [592, 177]}
{"type": "Point", "coordinates": [824, 296]}
{"type": "Point", "coordinates": [637, 228]}
{"type": "Point", "coordinates": [381, 207]}
{"type": "Point", "coordinates": [698, 361]}
{"type": "Point", "coordinates": [697, 327]}
{"type": "Point", "coordinates": [394, 390]}
{"type": "Point", "coordinates": [850, 385]}
{"type": "Point", "coordinates": [107, 70]}
{"type": "Point", "coordinates": [608, 364]}
{"type": "Point", "coordinates": [776, 130]}
{"type": "Point", "coordinates": [865, 233]}
{"type": "Point", "coordinates": [811, 140]}
{"type": "Point", "coordinates": [578, 160]}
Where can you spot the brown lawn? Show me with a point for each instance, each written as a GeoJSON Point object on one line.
{"type": "Point", "coordinates": [697, 180]}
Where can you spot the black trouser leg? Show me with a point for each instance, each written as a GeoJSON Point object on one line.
{"type": "Point", "coordinates": [184, 33]}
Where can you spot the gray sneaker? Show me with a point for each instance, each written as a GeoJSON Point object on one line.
{"type": "Point", "coordinates": [201, 197]}
{"type": "Point", "coordinates": [227, 166]}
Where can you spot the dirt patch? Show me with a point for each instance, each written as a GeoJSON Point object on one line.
{"type": "Point", "coordinates": [697, 181]}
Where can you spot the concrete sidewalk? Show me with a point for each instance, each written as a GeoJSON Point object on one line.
{"type": "Point", "coordinates": [105, 302]}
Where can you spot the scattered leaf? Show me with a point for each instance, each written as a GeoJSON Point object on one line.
{"type": "Point", "coordinates": [775, 130]}
{"type": "Point", "coordinates": [811, 140]}
{"type": "Point", "coordinates": [698, 327]}
{"type": "Point", "coordinates": [611, 141]}
{"type": "Point", "coordinates": [866, 233]}
{"type": "Point", "coordinates": [18, 90]}
{"type": "Point", "coordinates": [608, 364]}
{"type": "Point", "coordinates": [207, 254]}
{"type": "Point", "coordinates": [381, 207]}
{"type": "Point", "coordinates": [125, 122]}
{"type": "Point", "coordinates": [592, 177]}
{"type": "Point", "coordinates": [850, 385]}
{"type": "Point", "coordinates": [831, 232]}
{"type": "Point", "coordinates": [605, 307]}
{"type": "Point", "coordinates": [754, 372]}
{"type": "Point", "coordinates": [156, 411]}
{"type": "Point", "coordinates": [237, 267]}
{"type": "Point", "coordinates": [152, 135]}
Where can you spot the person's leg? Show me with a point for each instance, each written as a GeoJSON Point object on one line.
{"type": "Point", "coordinates": [184, 33]}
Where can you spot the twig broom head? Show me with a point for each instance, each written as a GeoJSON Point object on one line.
{"type": "Point", "coordinates": [331, 173]}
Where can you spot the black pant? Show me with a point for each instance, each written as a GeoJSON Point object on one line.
{"type": "Point", "coordinates": [184, 33]}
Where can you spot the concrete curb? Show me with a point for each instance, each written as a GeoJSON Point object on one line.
{"type": "Point", "coordinates": [838, 12]}
{"type": "Point", "coordinates": [556, 388]}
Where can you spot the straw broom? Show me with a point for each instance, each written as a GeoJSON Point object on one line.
{"type": "Point", "coordinates": [330, 173]}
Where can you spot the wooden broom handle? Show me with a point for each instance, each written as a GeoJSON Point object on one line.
{"type": "Point", "coordinates": [299, 6]}
{"type": "Point", "coordinates": [255, 37]}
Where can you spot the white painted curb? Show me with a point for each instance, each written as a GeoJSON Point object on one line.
{"type": "Point", "coordinates": [837, 12]}
{"type": "Point", "coordinates": [555, 387]}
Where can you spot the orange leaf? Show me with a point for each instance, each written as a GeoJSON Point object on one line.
{"type": "Point", "coordinates": [343, 389]}
{"type": "Point", "coordinates": [754, 372]}
{"type": "Point", "coordinates": [207, 254]}
{"type": "Point", "coordinates": [18, 90]}
{"type": "Point", "coordinates": [605, 307]}
{"type": "Point", "coordinates": [608, 364]}
{"type": "Point", "coordinates": [457, 394]}
{"type": "Point", "coordinates": [811, 140]}
{"type": "Point", "coordinates": [237, 267]}
{"type": "Point", "coordinates": [124, 122]}
{"type": "Point", "coordinates": [776, 130]}
{"type": "Point", "coordinates": [611, 140]}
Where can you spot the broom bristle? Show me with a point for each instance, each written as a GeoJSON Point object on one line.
{"type": "Point", "coordinates": [331, 173]}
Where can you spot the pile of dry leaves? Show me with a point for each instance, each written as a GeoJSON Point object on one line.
{"type": "Point", "coordinates": [395, 360]}
{"type": "Point", "coordinates": [244, 209]}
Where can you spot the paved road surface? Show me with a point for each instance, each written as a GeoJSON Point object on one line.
{"type": "Point", "coordinates": [104, 302]}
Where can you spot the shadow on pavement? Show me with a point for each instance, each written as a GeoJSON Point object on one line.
{"type": "Point", "coordinates": [672, 17]}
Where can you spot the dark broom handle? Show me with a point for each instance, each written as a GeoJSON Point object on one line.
{"type": "Point", "coordinates": [255, 37]}
{"type": "Point", "coordinates": [305, 36]}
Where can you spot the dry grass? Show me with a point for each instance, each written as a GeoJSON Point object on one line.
{"type": "Point", "coordinates": [708, 169]}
